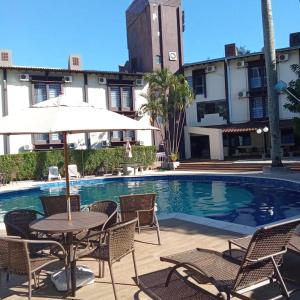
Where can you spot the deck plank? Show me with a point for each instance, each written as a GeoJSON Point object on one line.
{"type": "Point", "coordinates": [176, 236]}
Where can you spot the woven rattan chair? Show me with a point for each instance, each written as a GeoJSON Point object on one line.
{"type": "Point", "coordinates": [107, 207]}
{"type": "Point", "coordinates": [4, 256]}
{"type": "Point", "coordinates": [16, 258]}
{"type": "Point", "coordinates": [243, 243]}
{"type": "Point", "coordinates": [119, 242]}
{"type": "Point", "coordinates": [141, 206]}
{"type": "Point", "coordinates": [58, 204]}
{"type": "Point", "coordinates": [17, 222]}
{"type": "Point", "coordinates": [259, 264]}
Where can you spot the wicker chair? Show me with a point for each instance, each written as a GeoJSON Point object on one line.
{"type": "Point", "coordinates": [119, 242]}
{"type": "Point", "coordinates": [58, 204]}
{"type": "Point", "coordinates": [141, 206]}
{"type": "Point", "coordinates": [16, 258]}
{"type": "Point", "coordinates": [4, 256]}
{"type": "Point", "coordinates": [108, 207]}
{"type": "Point", "coordinates": [17, 222]}
{"type": "Point", "coordinates": [259, 264]}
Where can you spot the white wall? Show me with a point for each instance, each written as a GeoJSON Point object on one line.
{"type": "Point", "coordinates": [18, 97]}
{"type": "Point", "coordinates": [142, 135]}
{"type": "Point", "coordinates": [215, 90]}
{"type": "Point", "coordinates": [238, 82]}
{"type": "Point", "coordinates": [1, 113]}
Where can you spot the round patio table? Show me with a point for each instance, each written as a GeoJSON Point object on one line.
{"type": "Point", "coordinates": [59, 224]}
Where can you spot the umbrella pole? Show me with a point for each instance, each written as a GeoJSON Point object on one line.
{"type": "Point", "coordinates": [66, 159]}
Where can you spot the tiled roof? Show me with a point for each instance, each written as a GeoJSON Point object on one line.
{"type": "Point", "coordinates": [31, 68]}
{"type": "Point", "coordinates": [238, 130]}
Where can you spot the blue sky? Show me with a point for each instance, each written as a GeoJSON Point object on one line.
{"type": "Point", "coordinates": [44, 33]}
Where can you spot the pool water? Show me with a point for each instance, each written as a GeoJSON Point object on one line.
{"type": "Point", "coordinates": [244, 203]}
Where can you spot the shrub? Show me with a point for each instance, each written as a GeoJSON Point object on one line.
{"type": "Point", "coordinates": [34, 165]}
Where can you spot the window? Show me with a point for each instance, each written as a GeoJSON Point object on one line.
{"type": "Point", "coordinates": [75, 61]}
{"type": "Point", "coordinates": [129, 135]}
{"type": "Point", "coordinates": [212, 107]}
{"type": "Point", "coordinates": [4, 56]}
{"type": "Point", "coordinates": [257, 77]}
{"type": "Point", "coordinates": [116, 136]}
{"type": "Point", "coordinates": [127, 102]}
{"type": "Point", "coordinates": [44, 91]}
{"type": "Point", "coordinates": [287, 136]}
{"type": "Point", "coordinates": [242, 140]}
{"type": "Point", "coordinates": [115, 98]}
{"type": "Point", "coordinates": [258, 108]}
{"type": "Point", "coordinates": [121, 98]}
{"type": "Point", "coordinates": [158, 59]}
{"type": "Point", "coordinates": [199, 82]}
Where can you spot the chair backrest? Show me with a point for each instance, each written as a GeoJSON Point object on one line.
{"type": "Point", "coordinates": [17, 222]}
{"type": "Point", "coordinates": [14, 255]}
{"type": "Point", "coordinates": [265, 243]}
{"type": "Point", "coordinates": [73, 172]}
{"type": "Point", "coordinates": [53, 172]}
{"type": "Point", "coordinates": [58, 204]}
{"type": "Point", "coordinates": [120, 239]}
{"type": "Point", "coordinates": [108, 207]}
{"type": "Point", "coordinates": [130, 204]}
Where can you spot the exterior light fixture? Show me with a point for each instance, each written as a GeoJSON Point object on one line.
{"type": "Point", "coordinates": [264, 131]}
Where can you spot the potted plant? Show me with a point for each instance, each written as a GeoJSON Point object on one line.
{"type": "Point", "coordinates": [173, 163]}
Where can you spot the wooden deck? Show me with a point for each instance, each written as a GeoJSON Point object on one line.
{"type": "Point", "coordinates": [176, 236]}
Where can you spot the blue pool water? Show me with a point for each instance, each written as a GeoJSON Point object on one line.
{"type": "Point", "coordinates": [249, 202]}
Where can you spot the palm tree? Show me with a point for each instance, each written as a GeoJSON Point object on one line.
{"type": "Point", "coordinates": [168, 97]}
{"type": "Point", "coordinates": [273, 101]}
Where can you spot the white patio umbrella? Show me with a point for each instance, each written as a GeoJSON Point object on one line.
{"type": "Point", "coordinates": [62, 115]}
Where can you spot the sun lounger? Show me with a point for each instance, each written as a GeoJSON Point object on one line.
{"type": "Point", "coordinates": [259, 264]}
{"type": "Point", "coordinates": [53, 173]}
{"type": "Point", "coordinates": [73, 172]}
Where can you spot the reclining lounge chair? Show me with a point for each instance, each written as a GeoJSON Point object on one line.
{"type": "Point", "coordinates": [259, 264]}
{"type": "Point", "coordinates": [53, 173]}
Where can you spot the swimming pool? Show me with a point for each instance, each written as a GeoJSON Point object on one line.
{"type": "Point", "coordinates": [248, 201]}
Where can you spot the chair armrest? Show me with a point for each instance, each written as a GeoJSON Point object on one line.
{"type": "Point", "coordinates": [47, 242]}
{"type": "Point", "coordinates": [267, 257]}
{"type": "Point", "coordinates": [17, 229]}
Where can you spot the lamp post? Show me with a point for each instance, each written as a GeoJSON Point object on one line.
{"type": "Point", "coordinates": [263, 131]}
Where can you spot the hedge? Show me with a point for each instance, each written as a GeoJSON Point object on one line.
{"type": "Point", "coordinates": [34, 165]}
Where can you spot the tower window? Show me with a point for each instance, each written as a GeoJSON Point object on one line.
{"type": "Point", "coordinates": [158, 59]}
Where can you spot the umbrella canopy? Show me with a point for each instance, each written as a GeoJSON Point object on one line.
{"type": "Point", "coordinates": [60, 115]}
{"type": "Point", "coordinates": [66, 115]}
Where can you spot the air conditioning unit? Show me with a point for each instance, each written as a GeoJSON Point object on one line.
{"type": "Point", "coordinates": [28, 147]}
{"type": "Point", "coordinates": [243, 94]}
{"type": "Point", "coordinates": [102, 80]}
{"type": "Point", "coordinates": [105, 143]}
{"type": "Point", "coordinates": [24, 77]}
{"type": "Point", "coordinates": [210, 69]}
{"type": "Point", "coordinates": [241, 64]}
{"type": "Point", "coordinates": [283, 57]}
{"type": "Point", "coordinates": [68, 79]}
{"type": "Point", "coordinates": [140, 82]}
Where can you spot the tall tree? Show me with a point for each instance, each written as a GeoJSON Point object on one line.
{"type": "Point", "coordinates": [273, 101]}
{"type": "Point", "coordinates": [168, 97]}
